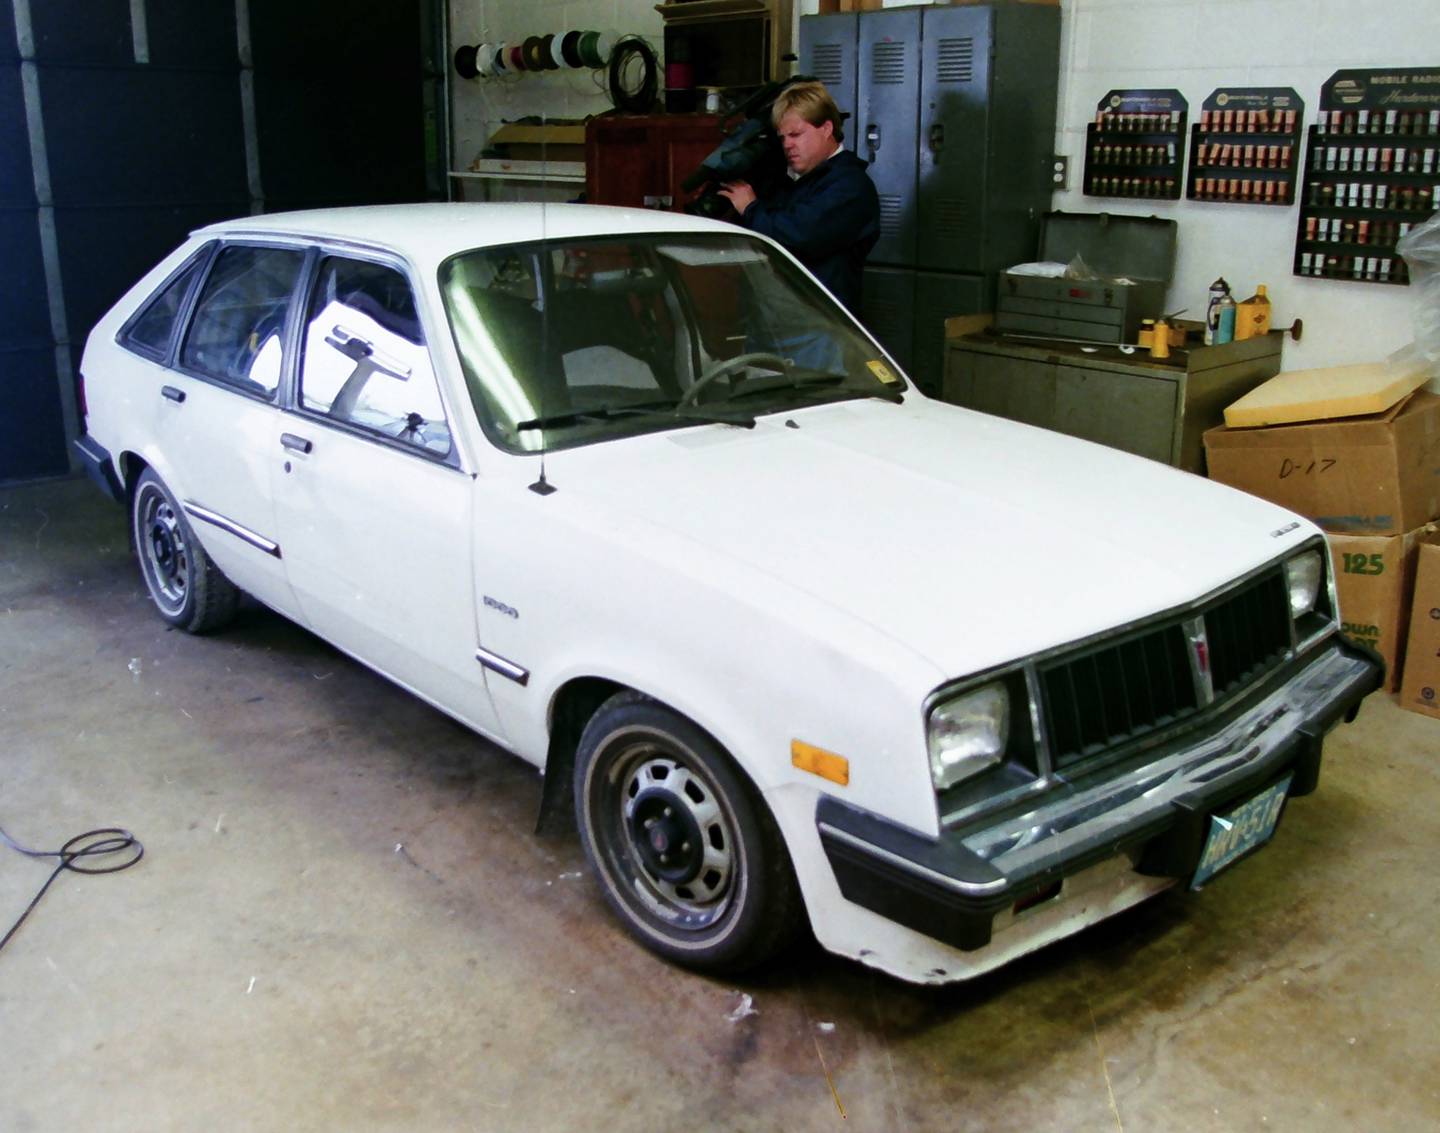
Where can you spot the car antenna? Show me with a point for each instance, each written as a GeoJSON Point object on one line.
{"type": "Point", "coordinates": [542, 486]}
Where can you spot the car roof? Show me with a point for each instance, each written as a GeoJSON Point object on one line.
{"type": "Point", "coordinates": [434, 232]}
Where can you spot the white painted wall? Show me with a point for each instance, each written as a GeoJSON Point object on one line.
{"type": "Point", "coordinates": [1192, 45]}
{"type": "Point", "coordinates": [477, 108]}
{"type": "Point", "coordinates": [1198, 45]}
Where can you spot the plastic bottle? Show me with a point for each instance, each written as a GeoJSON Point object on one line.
{"type": "Point", "coordinates": [1225, 320]}
{"type": "Point", "coordinates": [1218, 290]}
{"type": "Point", "coordinates": [1252, 317]}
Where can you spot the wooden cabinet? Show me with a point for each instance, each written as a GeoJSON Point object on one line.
{"type": "Point", "coordinates": [641, 160]}
{"type": "Point", "coordinates": [1151, 407]}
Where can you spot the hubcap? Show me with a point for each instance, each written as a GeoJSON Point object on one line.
{"type": "Point", "coordinates": [167, 557]}
{"type": "Point", "coordinates": [679, 838]}
{"type": "Point", "coordinates": [667, 836]}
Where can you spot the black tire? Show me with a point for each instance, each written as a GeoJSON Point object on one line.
{"type": "Point", "coordinates": [186, 587]}
{"type": "Point", "coordinates": [686, 852]}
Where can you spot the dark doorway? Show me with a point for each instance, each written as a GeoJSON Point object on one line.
{"type": "Point", "coordinates": [154, 117]}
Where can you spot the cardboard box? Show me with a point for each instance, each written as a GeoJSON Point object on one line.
{"type": "Point", "coordinates": [1373, 475]}
{"type": "Point", "coordinates": [1373, 575]}
{"type": "Point", "coordinates": [540, 142]}
{"type": "Point", "coordinates": [1420, 686]}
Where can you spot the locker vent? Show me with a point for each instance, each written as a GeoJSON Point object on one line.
{"type": "Point", "coordinates": [891, 209]}
{"type": "Point", "coordinates": [955, 218]}
{"type": "Point", "coordinates": [888, 63]}
{"type": "Point", "coordinates": [883, 318]}
{"type": "Point", "coordinates": [955, 60]}
{"type": "Point", "coordinates": [827, 62]}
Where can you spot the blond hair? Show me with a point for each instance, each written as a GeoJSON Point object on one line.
{"type": "Point", "coordinates": [809, 101]}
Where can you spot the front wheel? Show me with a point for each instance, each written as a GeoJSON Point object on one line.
{"type": "Point", "coordinates": [187, 588]}
{"type": "Point", "coordinates": [686, 852]}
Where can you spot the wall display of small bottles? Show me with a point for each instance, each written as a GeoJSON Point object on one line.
{"type": "Point", "coordinates": [1372, 172]}
{"type": "Point", "coordinates": [1135, 146]}
{"type": "Point", "coordinates": [1246, 146]}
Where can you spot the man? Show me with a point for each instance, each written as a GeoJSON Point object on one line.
{"type": "Point", "coordinates": [828, 215]}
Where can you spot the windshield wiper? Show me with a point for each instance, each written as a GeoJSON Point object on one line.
{"type": "Point", "coordinates": [645, 409]}
{"type": "Point", "coordinates": [811, 379]}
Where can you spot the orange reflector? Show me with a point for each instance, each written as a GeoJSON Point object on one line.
{"type": "Point", "coordinates": [818, 761]}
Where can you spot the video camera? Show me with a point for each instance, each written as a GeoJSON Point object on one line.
{"type": "Point", "coordinates": [750, 152]}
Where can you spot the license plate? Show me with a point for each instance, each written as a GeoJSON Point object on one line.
{"type": "Point", "coordinates": [1236, 832]}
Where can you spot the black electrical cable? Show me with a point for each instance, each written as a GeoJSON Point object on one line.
{"type": "Point", "coordinates": [642, 98]}
{"type": "Point", "coordinates": [108, 840]}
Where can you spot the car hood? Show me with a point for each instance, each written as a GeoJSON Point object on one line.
{"type": "Point", "coordinates": [969, 539]}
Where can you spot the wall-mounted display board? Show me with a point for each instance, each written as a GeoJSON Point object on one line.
{"type": "Point", "coordinates": [1246, 146]}
{"type": "Point", "coordinates": [1372, 172]}
{"type": "Point", "coordinates": [1135, 146]}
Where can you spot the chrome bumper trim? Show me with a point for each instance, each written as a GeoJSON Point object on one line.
{"type": "Point", "coordinates": [954, 884]}
{"type": "Point", "coordinates": [1022, 843]}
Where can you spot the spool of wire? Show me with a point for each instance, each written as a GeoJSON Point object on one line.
{"type": "Point", "coordinates": [589, 53]}
{"type": "Point", "coordinates": [634, 75]}
{"type": "Point", "coordinates": [570, 49]}
{"type": "Point", "coordinates": [499, 59]}
{"type": "Point", "coordinates": [516, 60]}
{"type": "Point", "coordinates": [550, 52]}
{"type": "Point", "coordinates": [534, 61]}
{"type": "Point", "coordinates": [465, 64]}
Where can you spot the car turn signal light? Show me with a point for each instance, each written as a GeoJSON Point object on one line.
{"type": "Point", "coordinates": [818, 761]}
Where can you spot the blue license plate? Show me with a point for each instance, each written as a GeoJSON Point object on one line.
{"type": "Point", "coordinates": [1240, 830]}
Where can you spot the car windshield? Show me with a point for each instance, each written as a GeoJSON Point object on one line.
{"type": "Point", "coordinates": [570, 342]}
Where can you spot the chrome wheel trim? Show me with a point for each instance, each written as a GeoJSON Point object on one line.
{"type": "Point", "coordinates": [164, 550]}
{"type": "Point", "coordinates": [646, 780]}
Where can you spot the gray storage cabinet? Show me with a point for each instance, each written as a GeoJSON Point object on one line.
{"type": "Point", "coordinates": [1140, 249]}
{"type": "Point", "coordinates": [1151, 407]}
{"type": "Point", "coordinates": [954, 108]}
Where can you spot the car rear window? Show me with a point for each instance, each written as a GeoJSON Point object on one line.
{"type": "Point", "coordinates": [236, 332]}
{"type": "Point", "coordinates": [150, 331]}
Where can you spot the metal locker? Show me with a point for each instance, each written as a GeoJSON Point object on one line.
{"type": "Point", "coordinates": [828, 51]}
{"type": "Point", "coordinates": [889, 117]}
{"type": "Point", "coordinates": [938, 295]}
{"type": "Point", "coordinates": [953, 143]}
{"type": "Point", "coordinates": [887, 308]}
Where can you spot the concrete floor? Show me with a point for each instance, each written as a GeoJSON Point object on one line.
{"type": "Point", "coordinates": [343, 921]}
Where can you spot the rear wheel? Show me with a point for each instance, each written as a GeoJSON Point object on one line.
{"type": "Point", "coordinates": [686, 852]}
{"type": "Point", "coordinates": [187, 588]}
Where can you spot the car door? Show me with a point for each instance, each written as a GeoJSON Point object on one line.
{"type": "Point", "coordinates": [371, 502]}
{"type": "Point", "coordinates": [216, 411]}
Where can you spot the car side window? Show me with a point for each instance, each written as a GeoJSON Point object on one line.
{"type": "Point", "coordinates": [150, 330]}
{"type": "Point", "coordinates": [364, 360]}
{"type": "Point", "coordinates": [237, 331]}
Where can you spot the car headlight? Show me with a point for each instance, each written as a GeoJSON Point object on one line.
{"type": "Point", "coordinates": [1303, 575]}
{"type": "Point", "coordinates": [968, 735]}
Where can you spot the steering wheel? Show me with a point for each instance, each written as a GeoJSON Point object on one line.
{"type": "Point", "coordinates": [729, 366]}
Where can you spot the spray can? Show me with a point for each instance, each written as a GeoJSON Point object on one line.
{"type": "Point", "coordinates": [1218, 290]}
{"type": "Point", "coordinates": [1225, 320]}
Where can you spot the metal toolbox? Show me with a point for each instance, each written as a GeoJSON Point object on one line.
{"type": "Point", "coordinates": [1140, 249]}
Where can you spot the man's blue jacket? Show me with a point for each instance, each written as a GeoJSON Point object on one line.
{"type": "Point", "coordinates": [829, 219]}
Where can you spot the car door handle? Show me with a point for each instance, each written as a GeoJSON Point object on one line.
{"type": "Point", "coordinates": [294, 443]}
{"type": "Point", "coordinates": [173, 394]}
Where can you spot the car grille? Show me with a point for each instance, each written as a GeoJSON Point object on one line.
{"type": "Point", "coordinates": [1118, 691]}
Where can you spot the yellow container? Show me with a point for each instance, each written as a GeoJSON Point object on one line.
{"type": "Point", "coordinates": [1146, 335]}
{"type": "Point", "coordinates": [1252, 317]}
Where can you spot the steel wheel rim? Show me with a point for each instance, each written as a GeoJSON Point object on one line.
{"type": "Point", "coordinates": [694, 888]}
{"type": "Point", "coordinates": [164, 549]}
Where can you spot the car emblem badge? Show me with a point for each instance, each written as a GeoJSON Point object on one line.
{"type": "Point", "coordinates": [1200, 660]}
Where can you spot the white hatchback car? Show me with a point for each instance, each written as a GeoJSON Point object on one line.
{"type": "Point", "coordinates": [629, 494]}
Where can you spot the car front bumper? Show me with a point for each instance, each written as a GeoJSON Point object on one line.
{"type": "Point", "coordinates": [1157, 813]}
